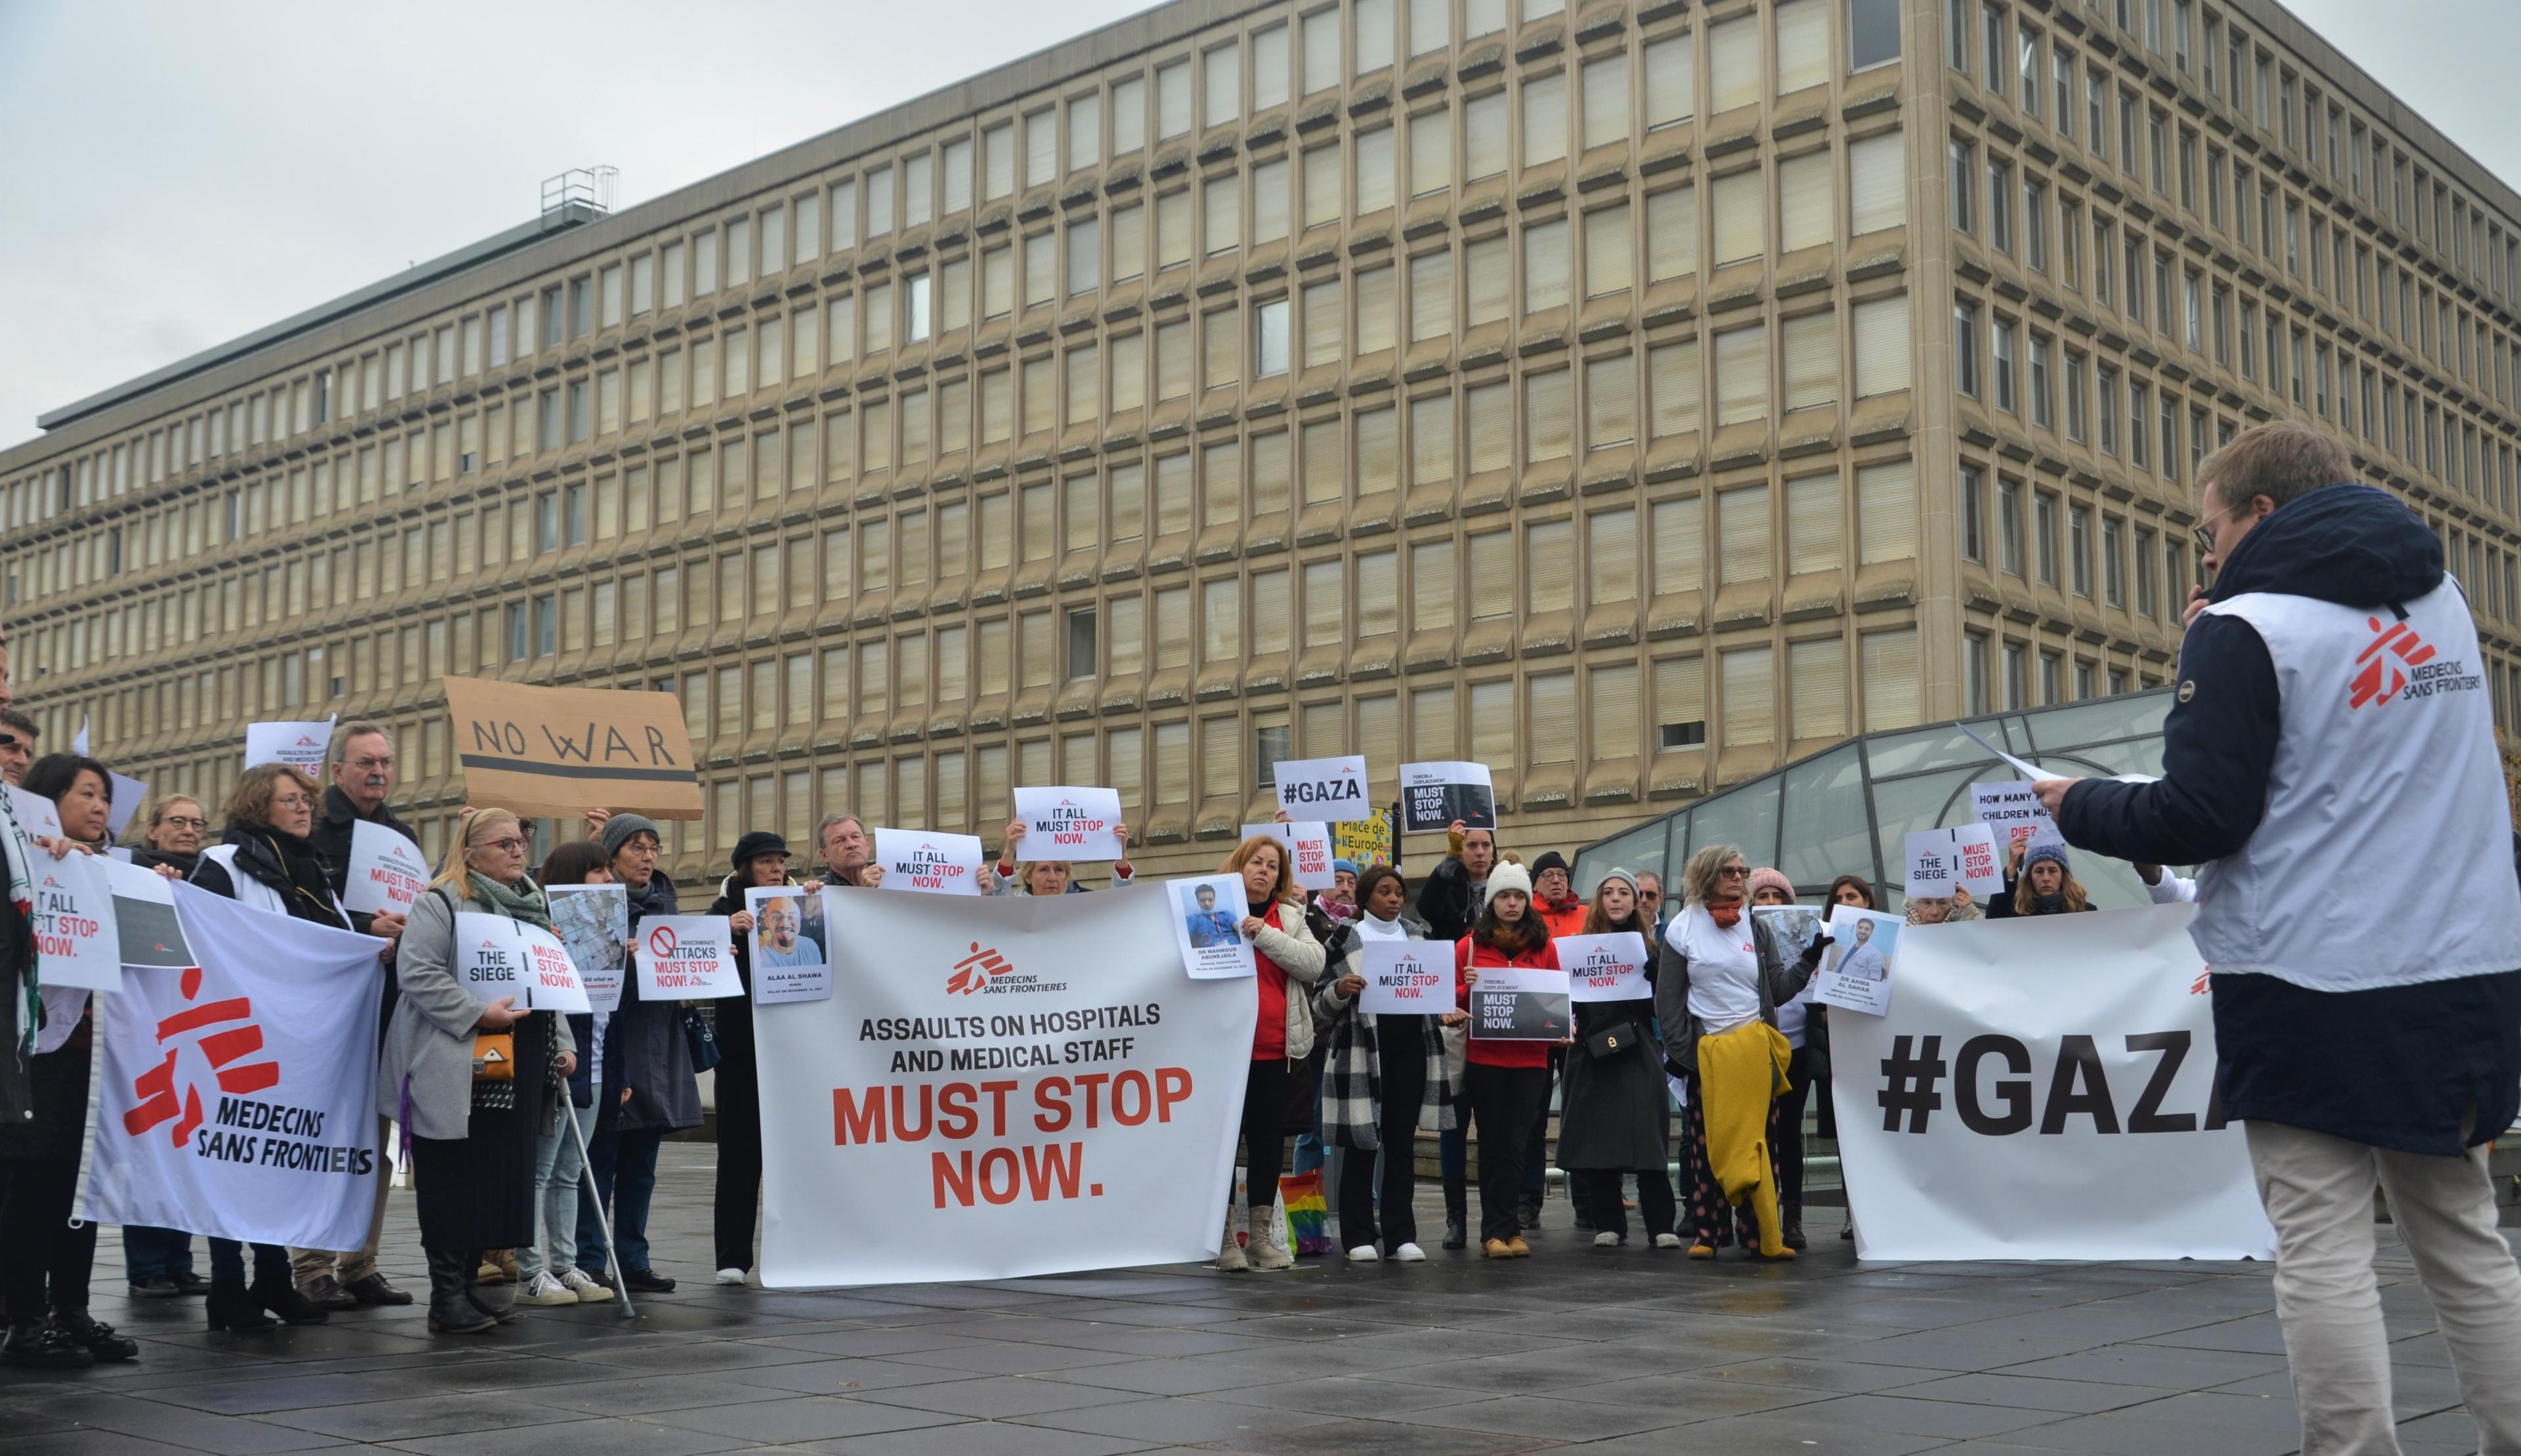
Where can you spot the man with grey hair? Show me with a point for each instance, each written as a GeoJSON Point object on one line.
{"type": "Point", "coordinates": [360, 762]}
{"type": "Point", "coordinates": [847, 849]}
{"type": "Point", "coordinates": [2329, 763]}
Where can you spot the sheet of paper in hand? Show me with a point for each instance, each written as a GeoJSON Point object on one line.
{"type": "Point", "coordinates": [2013, 811]}
{"type": "Point", "coordinates": [1406, 978]}
{"type": "Point", "coordinates": [593, 921]}
{"type": "Point", "coordinates": [1308, 850]}
{"type": "Point", "coordinates": [1606, 968]}
{"type": "Point", "coordinates": [1520, 1003]}
{"type": "Point", "coordinates": [1941, 860]}
{"type": "Point", "coordinates": [1434, 795]}
{"type": "Point", "coordinates": [388, 872]}
{"type": "Point", "coordinates": [919, 861]}
{"type": "Point", "coordinates": [686, 958]}
{"type": "Point", "coordinates": [789, 960]}
{"type": "Point", "coordinates": [1856, 971]}
{"type": "Point", "coordinates": [1070, 823]}
{"type": "Point", "coordinates": [1207, 918]}
{"type": "Point", "coordinates": [1330, 789]}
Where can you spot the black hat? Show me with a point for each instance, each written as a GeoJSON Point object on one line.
{"type": "Point", "coordinates": [1549, 859]}
{"type": "Point", "coordinates": [757, 843]}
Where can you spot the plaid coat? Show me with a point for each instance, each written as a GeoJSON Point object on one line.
{"type": "Point", "coordinates": [1351, 1074]}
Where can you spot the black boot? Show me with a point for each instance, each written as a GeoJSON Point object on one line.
{"type": "Point", "coordinates": [281, 1298]}
{"type": "Point", "coordinates": [40, 1346]}
{"type": "Point", "coordinates": [500, 1306]}
{"type": "Point", "coordinates": [98, 1340]}
{"type": "Point", "coordinates": [1457, 1204]}
{"type": "Point", "coordinates": [449, 1311]}
{"type": "Point", "coordinates": [230, 1307]}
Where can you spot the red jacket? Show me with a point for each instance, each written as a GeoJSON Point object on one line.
{"type": "Point", "coordinates": [1500, 1053]}
{"type": "Point", "coordinates": [1561, 921]}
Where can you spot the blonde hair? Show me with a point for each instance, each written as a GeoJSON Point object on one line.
{"type": "Point", "coordinates": [1285, 887]}
{"type": "Point", "coordinates": [474, 829]}
{"type": "Point", "coordinates": [1699, 880]}
{"type": "Point", "coordinates": [137, 831]}
{"type": "Point", "coordinates": [1023, 871]}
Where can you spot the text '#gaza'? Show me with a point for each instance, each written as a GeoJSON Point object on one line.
{"type": "Point", "coordinates": [1000, 1175]}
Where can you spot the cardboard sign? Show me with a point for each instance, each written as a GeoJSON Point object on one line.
{"type": "Point", "coordinates": [300, 746]}
{"type": "Point", "coordinates": [1369, 842]}
{"type": "Point", "coordinates": [561, 752]}
{"type": "Point", "coordinates": [1308, 850]}
{"type": "Point", "coordinates": [1605, 968]}
{"type": "Point", "coordinates": [146, 928]}
{"type": "Point", "coordinates": [916, 860]}
{"type": "Point", "coordinates": [686, 958]}
{"type": "Point", "coordinates": [1856, 971]}
{"type": "Point", "coordinates": [789, 933]}
{"type": "Point", "coordinates": [1406, 978]}
{"type": "Point", "coordinates": [1208, 919]}
{"type": "Point", "coordinates": [76, 944]}
{"type": "Point", "coordinates": [1943, 860]}
{"type": "Point", "coordinates": [1067, 823]}
{"type": "Point", "coordinates": [388, 872]}
{"type": "Point", "coordinates": [1520, 1003]}
{"type": "Point", "coordinates": [594, 922]}
{"type": "Point", "coordinates": [2013, 811]}
{"type": "Point", "coordinates": [35, 814]}
{"type": "Point", "coordinates": [1434, 795]}
{"type": "Point", "coordinates": [1330, 789]}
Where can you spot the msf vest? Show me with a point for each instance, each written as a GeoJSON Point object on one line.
{"type": "Point", "coordinates": [2385, 855]}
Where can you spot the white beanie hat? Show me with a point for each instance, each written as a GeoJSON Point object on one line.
{"type": "Point", "coordinates": [1508, 877]}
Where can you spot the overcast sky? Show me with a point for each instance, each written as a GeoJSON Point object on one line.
{"type": "Point", "coordinates": [177, 174]}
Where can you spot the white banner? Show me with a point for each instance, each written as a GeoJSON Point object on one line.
{"type": "Point", "coordinates": [1330, 789]}
{"type": "Point", "coordinates": [388, 872]}
{"type": "Point", "coordinates": [1307, 842]}
{"type": "Point", "coordinates": [686, 958]}
{"type": "Point", "coordinates": [1410, 977]}
{"type": "Point", "coordinates": [1605, 968]}
{"type": "Point", "coordinates": [1069, 823]}
{"type": "Point", "coordinates": [73, 918]}
{"type": "Point", "coordinates": [922, 862]}
{"type": "Point", "coordinates": [1007, 1088]}
{"type": "Point", "coordinates": [238, 1097]}
{"type": "Point", "coordinates": [2043, 1089]}
{"type": "Point", "coordinates": [300, 746]}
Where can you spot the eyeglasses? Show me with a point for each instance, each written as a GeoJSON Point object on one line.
{"type": "Point", "coordinates": [179, 821]}
{"type": "Point", "coordinates": [508, 845]}
{"type": "Point", "coordinates": [292, 801]}
{"type": "Point", "coordinates": [2204, 530]}
{"type": "Point", "coordinates": [1733, 870]}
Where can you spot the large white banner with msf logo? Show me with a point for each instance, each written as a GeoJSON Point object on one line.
{"type": "Point", "coordinates": [1000, 1087]}
{"type": "Point", "coordinates": [2043, 1089]}
{"type": "Point", "coordinates": [236, 1097]}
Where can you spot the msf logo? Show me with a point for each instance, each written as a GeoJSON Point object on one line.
{"type": "Point", "coordinates": [2380, 671]}
{"type": "Point", "coordinates": [226, 1051]}
{"type": "Point", "coordinates": [976, 971]}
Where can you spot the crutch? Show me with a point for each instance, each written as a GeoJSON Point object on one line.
{"type": "Point", "coordinates": [603, 1220]}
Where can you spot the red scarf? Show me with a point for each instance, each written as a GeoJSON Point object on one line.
{"type": "Point", "coordinates": [1725, 912]}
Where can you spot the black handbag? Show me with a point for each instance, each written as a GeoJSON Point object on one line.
{"type": "Point", "coordinates": [702, 1039]}
{"type": "Point", "coordinates": [1611, 1041]}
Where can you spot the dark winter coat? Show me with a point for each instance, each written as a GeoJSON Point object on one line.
{"type": "Point", "coordinates": [1615, 1111]}
{"type": "Point", "coordinates": [1352, 1055]}
{"type": "Point", "coordinates": [644, 1048]}
{"type": "Point", "coordinates": [1446, 901]}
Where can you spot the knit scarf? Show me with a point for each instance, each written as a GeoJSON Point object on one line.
{"type": "Point", "coordinates": [523, 900]}
{"type": "Point", "coordinates": [2048, 904]}
{"type": "Point", "coordinates": [1725, 912]}
{"type": "Point", "coordinates": [20, 859]}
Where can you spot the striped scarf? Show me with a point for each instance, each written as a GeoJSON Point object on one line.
{"type": "Point", "coordinates": [21, 899]}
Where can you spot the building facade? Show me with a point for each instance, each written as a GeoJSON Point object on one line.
{"type": "Point", "coordinates": [1632, 396]}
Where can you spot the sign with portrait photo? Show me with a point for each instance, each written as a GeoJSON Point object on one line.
{"type": "Point", "coordinates": [1208, 919]}
{"type": "Point", "coordinates": [789, 930]}
{"type": "Point", "coordinates": [1856, 971]}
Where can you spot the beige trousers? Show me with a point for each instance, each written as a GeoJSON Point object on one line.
{"type": "Point", "coordinates": [361, 1263]}
{"type": "Point", "coordinates": [2318, 1193]}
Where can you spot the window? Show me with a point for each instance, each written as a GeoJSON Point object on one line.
{"type": "Point", "coordinates": [2008, 502]}
{"type": "Point", "coordinates": [1999, 205]}
{"type": "Point", "coordinates": [2042, 412]}
{"type": "Point", "coordinates": [1872, 32]}
{"type": "Point", "coordinates": [2079, 546]}
{"type": "Point", "coordinates": [1965, 349]}
{"type": "Point", "coordinates": [1877, 181]}
{"type": "Point", "coordinates": [2000, 336]}
{"type": "Point", "coordinates": [2044, 537]}
{"type": "Point", "coordinates": [1270, 339]}
{"type": "Point", "coordinates": [1965, 187]}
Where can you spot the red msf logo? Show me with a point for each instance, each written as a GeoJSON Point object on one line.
{"type": "Point", "coordinates": [2377, 678]}
{"type": "Point", "coordinates": [225, 1051]}
{"type": "Point", "coordinates": [660, 943]}
{"type": "Point", "coordinates": [976, 971]}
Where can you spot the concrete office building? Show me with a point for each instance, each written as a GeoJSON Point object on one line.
{"type": "Point", "coordinates": [1633, 396]}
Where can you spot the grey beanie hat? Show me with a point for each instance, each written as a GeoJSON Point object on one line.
{"type": "Point", "coordinates": [621, 828]}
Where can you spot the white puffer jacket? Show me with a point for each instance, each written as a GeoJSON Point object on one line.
{"type": "Point", "coordinates": [1301, 956]}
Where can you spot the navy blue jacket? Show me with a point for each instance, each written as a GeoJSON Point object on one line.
{"type": "Point", "coordinates": [2431, 1068]}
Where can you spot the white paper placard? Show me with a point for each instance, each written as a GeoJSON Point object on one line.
{"type": "Point", "coordinates": [300, 746]}
{"type": "Point", "coordinates": [1605, 968]}
{"type": "Point", "coordinates": [594, 922]}
{"type": "Point", "coordinates": [1434, 795]}
{"type": "Point", "coordinates": [1964, 856]}
{"type": "Point", "coordinates": [925, 863]}
{"type": "Point", "coordinates": [1069, 823]}
{"type": "Point", "coordinates": [490, 960]}
{"type": "Point", "coordinates": [1207, 918]}
{"type": "Point", "coordinates": [1308, 850]}
{"type": "Point", "coordinates": [73, 918]}
{"type": "Point", "coordinates": [686, 958]}
{"type": "Point", "coordinates": [1330, 789]}
{"type": "Point", "coordinates": [1856, 971]}
{"type": "Point", "coordinates": [1406, 978]}
{"type": "Point", "coordinates": [388, 872]}
{"type": "Point", "coordinates": [789, 933]}
{"type": "Point", "coordinates": [128, 794]}
{"type": "Point", "coordinates": [552, 982]}
{"type": "Point", "coordinates": [35, 814]}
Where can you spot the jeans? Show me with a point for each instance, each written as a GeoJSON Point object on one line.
{"type": "Point", "coordinates": [155, 1253]}
{"type": "Point", "coordinates": [1502, 1100]}
{"type": "Point", "coordinates": [2318, 1189]}
{"type": "Point", "coordinates": [621, 1169]}
{"type": "Point", "coordinates": [227, 1262]}
{"type": "Point", "coordinates": [557, 1173]}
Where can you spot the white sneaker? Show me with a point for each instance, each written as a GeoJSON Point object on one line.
{"type": "Point", "coordinates": [1364, 1254]}
{"type": "Point", "coordinates": [1410, 1253]}
{"type": "Point", "coordinates": [1606, 1239]}
{"type": "Point", "coordinates": [542, 1289]}
{"type": "Point", "coordinates": [1667, 1241]}
{"type": "Point", "coordinates": [730, 1275]}
{"type": "Point", "coordinates": [587, 1290]}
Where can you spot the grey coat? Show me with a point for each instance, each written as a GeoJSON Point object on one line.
{"type": "Point", "coordinates": [428, 1045]}
{"type": "Point", "coordinates": [1780, 984]}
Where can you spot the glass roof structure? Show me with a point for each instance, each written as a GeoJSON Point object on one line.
{"type": "Point", "coordinates": [1848, 810]}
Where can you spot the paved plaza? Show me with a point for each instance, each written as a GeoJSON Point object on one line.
{"type": "Point", "coordinates": [1598, 1350]}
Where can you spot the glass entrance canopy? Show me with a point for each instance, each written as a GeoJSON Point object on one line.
{"type": "Point", "coordinates": [1848, 810]}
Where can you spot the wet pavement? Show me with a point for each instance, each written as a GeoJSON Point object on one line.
{"type": "Point", "coordinates": [1599, 1350]}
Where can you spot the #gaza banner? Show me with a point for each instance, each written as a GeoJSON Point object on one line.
{"type": "Point", "coordinates": [300, 746]}
{"type": "Point", "coordinates": [1943, 860]}
{"type": "Point", "coordinates": [1070, 823]}
{"type": "Point", "coordinates": [789, 928]}
{"type": "Point", "coordinates": [594, 922]}
{"type": "Point", "coordinates": [1010, 1088]}
{"type": "Point", "coordinates": [1208, 927]}
{"type": "Point", "coordinates": [236, 1097]}
{"type": "Point", "coordinates": [73, 918]}
{"type": "Point", "coordinates": [2012, 810]}
{"type": "Point", "coordinates": [1308, 850]}
{"type": "Point", "coordinates": [1406, 978]}
{"type": "Point", "coordinates": [925, 863]}
{"type": "Point", "coordinates": [686, 958]}
{"type": "Point", "coordinates": [1434, 795]}
{"type": "Point", "coordinates": [1605, 968]}
{"type": "Point", "coordinates": [2045, 1089]}
{"type": "Point", "coordinates": [1330, 789]}
{"type": "Point", "coordinates": [388, 872]}
{"type": "Point", "coordinates": [1856, 971]}
{"type": "Point", "coordinates": [1520, 1003]}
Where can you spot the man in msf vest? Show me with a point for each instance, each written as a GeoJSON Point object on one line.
{"type": "Point", "coordinates": [2329, 763]}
